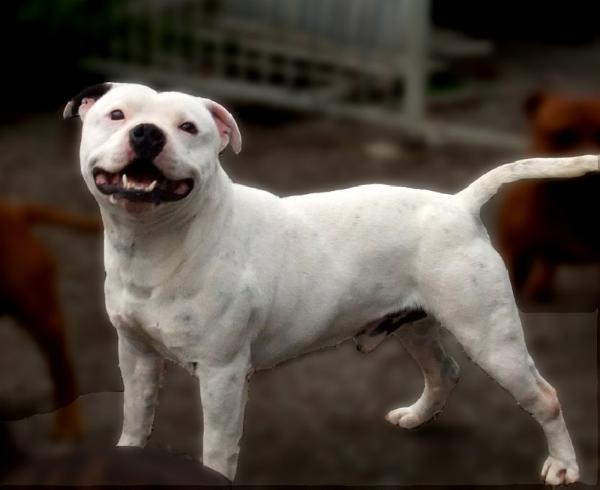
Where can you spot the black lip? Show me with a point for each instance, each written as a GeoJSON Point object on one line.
{"type": "Point", "coordinates": [163, 192]}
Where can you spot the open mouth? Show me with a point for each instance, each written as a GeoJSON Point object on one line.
{"type": "Point", "coordinates": [141, 181]}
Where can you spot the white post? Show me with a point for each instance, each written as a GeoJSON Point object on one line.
{"type": "Point", "coordinates": [416, 24]}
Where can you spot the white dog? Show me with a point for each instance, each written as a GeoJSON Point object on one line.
{"type": "Point", "coordinates": [225, 279]}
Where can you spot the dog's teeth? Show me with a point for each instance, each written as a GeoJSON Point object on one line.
{"type": "Point", "coordinates": [151, 187]}
{"type": "Point", "coordinates": [113, 199]}
{"type": "Point", "coordinates": [125, 183]}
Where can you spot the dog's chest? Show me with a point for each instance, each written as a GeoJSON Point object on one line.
{"type": "Point", "coordinates": [155, 318]}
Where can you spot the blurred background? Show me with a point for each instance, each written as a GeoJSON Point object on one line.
{"type": "Point", "coordinates": [327, 94]}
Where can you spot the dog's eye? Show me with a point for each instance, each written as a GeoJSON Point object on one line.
{"type": "Point", "coordinates": [117, 114]}
{"type": "Point", "coordinates": [565, 138]}
{"type": "Point", "coordinates": [189, 127]}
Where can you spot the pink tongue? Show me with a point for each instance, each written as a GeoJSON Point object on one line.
{"type": "Point", "coordinates": [101, 179]}
{"type": "Point", "coordinates": [181, 188]}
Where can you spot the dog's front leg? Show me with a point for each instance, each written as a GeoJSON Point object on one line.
{"type": "Point", "coordinates": [223, 392]}
{"type": "Point", "coordinates": [141, 370]}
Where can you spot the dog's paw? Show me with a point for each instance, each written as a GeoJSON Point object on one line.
{"type": "Point", "coordinates": [558, 472]}
{"type": "Point", "coordinates": [129, 441]}
{"type": "Point", "coordinates": [408, 417]}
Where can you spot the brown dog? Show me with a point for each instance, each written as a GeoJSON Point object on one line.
{"type": "Point", "coordinates": [543, 224]}
{"type": "Point", "coordinates": [28, 292]}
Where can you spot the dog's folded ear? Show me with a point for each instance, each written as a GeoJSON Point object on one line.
{"type": "Point", "coordinates": [81, 103]}
{"type": "Point", "coordinates": [228, 128]}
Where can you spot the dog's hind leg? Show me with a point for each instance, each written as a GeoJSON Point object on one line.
{"type": "Point", "coordinates": [473, 299]}
{"type": "Point", "coordinates": [440, 373]}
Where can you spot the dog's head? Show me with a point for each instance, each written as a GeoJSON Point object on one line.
{"type": "Point", "coordinates": [563, 124]}
{"type": "Point", "coordinates": [141, 149]}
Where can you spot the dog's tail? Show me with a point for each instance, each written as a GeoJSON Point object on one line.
{"type": "Point", "coordinates": [480, 191]}
{"type": "Point", "coordinates": [36, 214]}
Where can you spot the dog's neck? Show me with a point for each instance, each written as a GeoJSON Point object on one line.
{"type": "Point", "coordinates": [154, 245]}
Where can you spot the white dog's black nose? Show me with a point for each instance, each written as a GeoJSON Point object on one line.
{"type": "Point", "coordinates": [147, 140]}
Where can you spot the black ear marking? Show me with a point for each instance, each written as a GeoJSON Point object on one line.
{"type": "Point", "coordinates": [93, 92]}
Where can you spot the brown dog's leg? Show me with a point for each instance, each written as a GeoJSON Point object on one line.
{"type": "Point", "coordinates": [39, 313]}
{"type": "Point", "coordinates": [49, 336]}
{"type": "Point", "coordinates": [518, 263]}
{"type": "Point", "coordinates": [539, 281]}
{"type": "Point", "coordinates": [28, 289]}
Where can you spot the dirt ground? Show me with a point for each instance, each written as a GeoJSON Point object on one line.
{"type": "Point", "coordinates": [318, 420]}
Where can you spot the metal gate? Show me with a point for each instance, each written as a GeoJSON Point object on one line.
{"type": "Point", "coordinates": [365, 59]}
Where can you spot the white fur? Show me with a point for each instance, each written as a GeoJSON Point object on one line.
{"type": "Point", "coordinates": [233, 279]}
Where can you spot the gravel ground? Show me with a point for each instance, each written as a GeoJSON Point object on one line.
{"type": "Point", "coordinates": [318, 420]}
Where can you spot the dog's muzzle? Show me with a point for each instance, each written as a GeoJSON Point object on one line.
{"type": "Point", "coordinates": [141, 180]}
